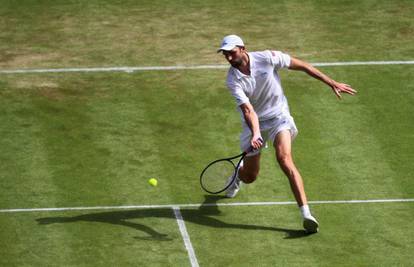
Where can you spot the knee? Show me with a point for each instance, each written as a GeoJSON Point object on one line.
{"type": "Point", "coordinates": [284, 159]}
{"type": "Point", "coordinates": [249, 177]}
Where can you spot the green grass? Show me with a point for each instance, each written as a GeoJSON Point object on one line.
{"type": "Point", "coordinates": [93, 239]}
{"type": "Point", "coordinates": [94, 139]}
{"type": "Point", "coordinates": [108, 33]}
{"type": "Point", "coordinates": [269, 237]}
{"type": "Point", "coordinates": [360, 234]}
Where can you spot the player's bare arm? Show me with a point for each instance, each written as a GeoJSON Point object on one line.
{"type": "Point", "coordinates": [337, 88]}
{"type": "Point", "coordinates": [253, 122]}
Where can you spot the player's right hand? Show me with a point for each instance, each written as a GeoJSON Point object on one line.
{"type": "Point", "coordinates": [256, 142]}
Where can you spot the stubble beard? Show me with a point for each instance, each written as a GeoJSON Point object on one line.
{"type": "Point", "coordinates": [236, 63]}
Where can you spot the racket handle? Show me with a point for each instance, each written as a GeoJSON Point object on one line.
{"type": "Point", "coordinates": [251, 148]}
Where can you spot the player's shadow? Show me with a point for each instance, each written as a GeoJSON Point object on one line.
{"type": "Point", "coordinates": [202, 216]}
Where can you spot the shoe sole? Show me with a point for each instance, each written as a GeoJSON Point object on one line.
{"type": "Point", "coordinates": [311, 227]}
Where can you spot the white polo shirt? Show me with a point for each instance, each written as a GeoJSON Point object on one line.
{"type": "Point", "coordinates": [262, 88]}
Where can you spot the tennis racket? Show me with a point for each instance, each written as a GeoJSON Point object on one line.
{"type": "Point", "coordinates": [221, 173]}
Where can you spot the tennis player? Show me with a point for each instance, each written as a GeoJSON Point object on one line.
{"type": "Point", "coordinates": [254, 82]}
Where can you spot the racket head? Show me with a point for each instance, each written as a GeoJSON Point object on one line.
{"type": "Point", "coordinates": [218, 176]}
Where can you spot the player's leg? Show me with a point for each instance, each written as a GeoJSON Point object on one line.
{"type": "Point", "coordinates": [246, 173]}
{"type": "Point", "coordinates": [250, 169]}
{"type": "Point", "coordinates": [283, 148]}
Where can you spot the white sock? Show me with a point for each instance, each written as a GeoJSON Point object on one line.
{"type": "Point", "coordinates": [305, 211]}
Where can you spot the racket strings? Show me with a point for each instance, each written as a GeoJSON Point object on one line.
{"type": "Point", "coordinates": [217, 176]}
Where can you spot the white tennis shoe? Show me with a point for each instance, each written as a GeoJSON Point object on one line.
{"type": "Point", "coordinates": [235, 187]}
{"type": "Point", "coordinates": [310, 224]}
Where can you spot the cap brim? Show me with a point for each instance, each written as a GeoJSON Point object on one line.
{"type": "Point", "coordinates": [226, 48]}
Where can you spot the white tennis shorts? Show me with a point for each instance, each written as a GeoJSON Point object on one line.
{"type": "Point", "coordinates": [268, 129]}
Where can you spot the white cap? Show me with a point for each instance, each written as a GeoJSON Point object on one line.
{"type": "Point", "coordinates": [229, 42]}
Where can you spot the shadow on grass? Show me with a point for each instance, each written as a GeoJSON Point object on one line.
{"type": "Point", "coordinates": [201, 216]}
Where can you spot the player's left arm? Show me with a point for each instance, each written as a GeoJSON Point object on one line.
{"type": "Point", "coordinates": [337, 87]}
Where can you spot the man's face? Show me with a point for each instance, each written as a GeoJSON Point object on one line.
{"type": "Point", "coordinates": [234, 56]}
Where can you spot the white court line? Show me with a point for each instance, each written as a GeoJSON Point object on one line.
{"type": "Point", "coordinates": [181, 206]}
{"type": "Point", "coordinates": [188, 67]}
{"type": "Point", "coordinates": [185, 236]}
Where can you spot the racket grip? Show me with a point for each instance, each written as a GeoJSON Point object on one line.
{"type": "Point", "coordinates": [251, 149]}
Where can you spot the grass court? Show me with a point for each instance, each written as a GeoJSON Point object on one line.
{"type": "Point", "coordinates": [93, 139]}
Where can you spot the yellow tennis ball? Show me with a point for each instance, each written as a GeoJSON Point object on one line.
{"type": "Point", "coordinates": [153, 182]}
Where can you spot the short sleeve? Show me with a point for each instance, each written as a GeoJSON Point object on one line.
{"type": "Point", "coordinates": [279, 60]}
{"type": "Point", "coordinates": [238, 93]}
